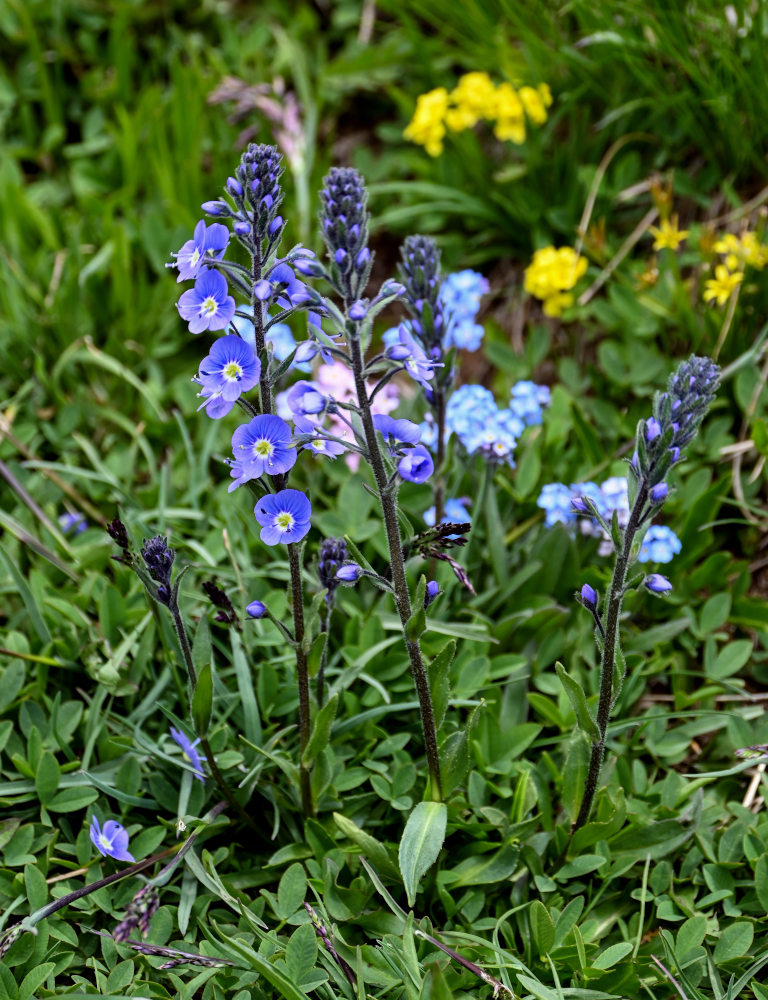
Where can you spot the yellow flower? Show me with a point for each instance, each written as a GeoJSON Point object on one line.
{"type": "Point", "coordinates": [474, 98]}
{"type": "Point", "coordinates": [730, 245]}
{"type": "Point", "coordinates": [533, 104]}
{"type": "Point", "coordinates": [743, 250]}
{"type": "Point", "coordinates": [509, 113]}
{"type": "Point", "coordinates": [556, 304]}
{"type": "Point", "coordinates": [551, 273]}
{"type": "Point", "coordinates": [427, 126]}
{"type": "Point", "coordinates": [545, 94]}
{"type": "Point", "coordinates": [667, 235]}
{"type": "Point", "coordinates": [722, 286]}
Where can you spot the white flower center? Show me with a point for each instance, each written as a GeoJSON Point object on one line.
{"type": "Point", "coordinates": [285, 521]}
{"type": "Point", "coordinates": [105, 843]}
{"type": "Point", "coordinates": [233, 372]}
{"type": "Point", "coordinates": [195, 257]}
{"type": "Point", "coordinates": [263, 448]}
{"type": "Point", "coordinates": [208, 306]}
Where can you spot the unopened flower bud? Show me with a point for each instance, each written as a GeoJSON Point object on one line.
{"type": "Point", "coordinates": [256, 609]}
{"type": "Point", "coordinates": [588, 597]}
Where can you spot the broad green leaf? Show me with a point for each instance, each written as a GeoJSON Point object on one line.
{"type": "Point", "coordinates": [47, 777]}
{"type": "Point", "coordinates": [542, 927]}
{"type": "Point", "coordinates": [731, 659]}
{"type": "Point", "coordinates": [291, 890]}
{"type": "Point", "coordinates": [734, 942]}
{"type": "Point", "coordinates": [612, 954]}
{"type": "Point", "coordinates": [761, 881]}
{"type": "Point", "coordinates": [483, 869]}
{"type": "Point", "coordinates": [301, 952]}
{"type": "Point", "coordinates": [421, 843]}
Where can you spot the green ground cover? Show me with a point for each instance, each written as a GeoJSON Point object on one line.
{"type": "Point", "coordinates": [118, 121]}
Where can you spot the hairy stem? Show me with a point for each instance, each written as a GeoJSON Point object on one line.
{"type": "Point", "coordinates": [612, 615]}
{"type": "Point", "coordinates": [297, 595]}
{"type": "Point", "coordinates": [399, 581]}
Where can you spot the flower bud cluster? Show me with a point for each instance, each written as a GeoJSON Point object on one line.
{"type": "Point", "coordinates": [332, 556]}
{"type": "Point", "coordinates": [419, 272]}
{"type": "Point", "coordinates": [677, 414]}
{"type": "Point", "coordinates": [257, 186]}
{"type": "Point", "coordinates": [344, 220]}
{"type": "Point", "coordinates": [158, 558]}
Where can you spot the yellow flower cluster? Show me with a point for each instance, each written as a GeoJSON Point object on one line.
{"type": "Point", "coordinates": [473, 99]}
{"type": "Point", "coordinates": [552, 274]}
{"type": "Point", "coordinates": [739, 252]}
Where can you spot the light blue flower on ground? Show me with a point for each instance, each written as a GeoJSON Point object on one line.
{"type": "Point", "coordinates": [455, 512]}
{"type": "Point", "coordinates": [660, 545]}
{"type": "Point", "coordinates": [555, 500]}
{"type": "Point", "coordinates": [460, 296]}
{"type": "Point", "coordinates": [528, 400]}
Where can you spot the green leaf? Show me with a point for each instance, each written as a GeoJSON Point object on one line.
{"type": "Point", "coordinates": [291, 891]}
{"type": "Point", "coordinates": [542, 927]}
{"type": "Point", "coordinates": [37, 890]}
{"type": "Point", "coordinates": [321, 731]}
{"type": "Point", "coordinates": [72, 799]}
{"type": "Point", "coordinates": [580, 866]}
{"type": "Point", "coordinates": [439, 687]}
{"type": "Point", "coordinates": [11, 682]}
{"type": "Point", "coordinates": [731, 659]}
{"type": "Point", "coordinates": [734, 942]}
{"type": "Point", "coordinates": [483, 869]}
{"type": "Point", "coordinates": [373, 849]}
{"type": "Point", "coordinates": [421, 843]}
{"type": "Point", "coordinates": [201, 647]}
{"type": "Point", "coordinates": [301, 952]}
{"type": "Point", "coordinates": [202, 700]}
{"type": "Point", "coordinates": [578, 702]}
{"type": "Point", "coordinates": [715, 612]}
{"type": "Point", "coordinates": [47, 777]}
{"type": "Point", "coordinates": [34, 980]}
{"type": "Point", "coordinates": [761, 881]}
{"type": "Point", "coordinates": [612, 954]}
{"type": "Point", "coordinates": [315, 655]}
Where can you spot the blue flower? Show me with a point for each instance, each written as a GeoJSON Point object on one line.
{"type": "Point", "coordinates": [208, 243]}
{"type": "Point", "coordinates": [414, 359]}
{"type": "Point", "coordinates": [305, 399]}
{"type": "Point", "coordinates": [349, 573]}
{"type": "Point", "coordinates": [432, 593]}
{"type": "Point", "coordinates": [207, 306]}
{"type": "Point", "coordinates": [231, 369]}
{"type": "Point", "coordinates": [416, 465]}
{"type": "Point", "coordinates": [319, 444]}
{"type": "Point", "coordinates": [555, 499]}
{"type": "Point", "coordinates": [455, 513]}
{"type": "Point", "coordinates": [660, 545]}
{"type": "Point", "coordinates": [262, 445]}
{"type": "Point", "coordinates": [284, 516]}
{"type": "Point", "coordinates": [74, 523]}
{"type": "Point", "coordinates": [396, 431]}
{"type": "Point", "coordinates": [460, 295]}
{"type": "Point", "coordinates": [528, 401]}
{"type": "Point", "coordinates": [256, 609]}
{"type": "Point", "coordinates": [112, 841]}
{"type": "Point", "coordinates": [190, 752]}
{"type": "Point", "coordinates": [657, 584]}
